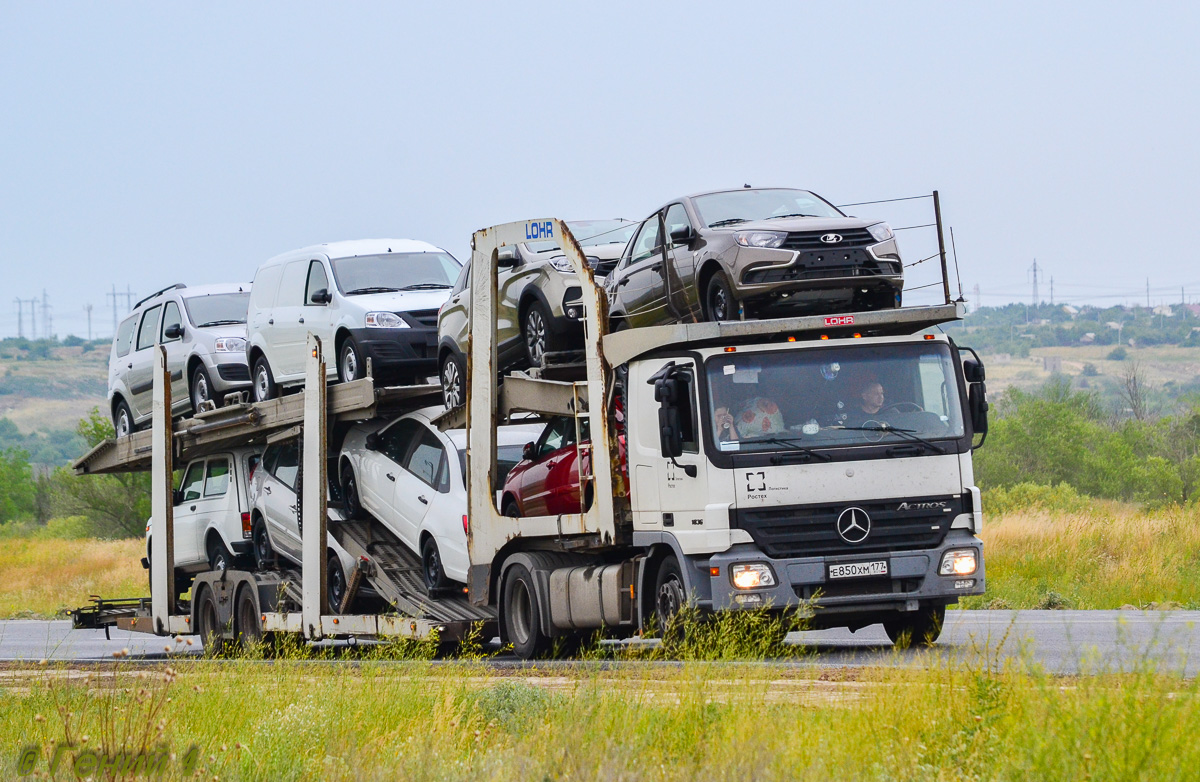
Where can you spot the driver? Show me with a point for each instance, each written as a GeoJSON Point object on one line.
{"type": "Point", "coordinates": [870, 394]}
{"type": "Point", "coordinates": [866, 404]}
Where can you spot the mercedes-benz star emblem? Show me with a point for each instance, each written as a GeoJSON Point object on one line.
{"type": "Point", "coordinates": [854, 525]}
{"type": "Point", "coordinates": [831, 238]}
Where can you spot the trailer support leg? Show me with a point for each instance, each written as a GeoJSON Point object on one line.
{"type": "Point", "coordinates": [162, 505]}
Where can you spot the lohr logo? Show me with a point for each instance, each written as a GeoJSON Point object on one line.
{"type": "Point", "coordinates": [921, 506]}
{"type": "Point", "coordinates": [540, 230]}
{"type": "Point", "coordinates": [840, 320]}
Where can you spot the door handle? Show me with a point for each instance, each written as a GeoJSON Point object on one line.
{"type": "Point", "coordinates": [192, 508]}
{"type": "Point", "coordinates": [391, 477]}
{"type": "Point", "coordinates": [421, 497]}
{"type": "Point", "coordinates": [623, 281]}
{"type": "Point", "coordinates": [656, 267]}
{"type": "Point", "coordinates": [129, 366]}
{"type": "Point", "coordinates": [267, 489]}
{"type": "Point", "coordinates": [271, 322]}
{"type": "Point", "coordinates": [302, 320]}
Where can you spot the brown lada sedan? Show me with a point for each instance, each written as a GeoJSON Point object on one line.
{"type": "Point", "coordinates": [753, 253]}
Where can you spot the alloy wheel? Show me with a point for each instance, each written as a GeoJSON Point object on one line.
{"type": "Point", "coordinates": [535, 336]}
{"type": "Point", "coordinates": [451, 384]}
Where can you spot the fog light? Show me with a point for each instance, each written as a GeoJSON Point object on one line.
{"type": "Point", "coordinates": [748, 600]}
{"type": "Point", "coordinates": [752, 575]}
{"type": "Point", "coordinates": [965, 583]}
{"type": "Point", "coordinates": [572, 312]}
{"type": "Point", "coordinates": [958, 563]}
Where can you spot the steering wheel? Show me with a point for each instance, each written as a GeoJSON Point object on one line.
{"type": "Point", "coordinates": [903, 407]}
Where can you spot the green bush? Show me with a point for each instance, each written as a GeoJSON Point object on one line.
{"type": "Point", "coordinates": [1117, 354]}
{"type": "Point", "coordinates": [1034, 496]}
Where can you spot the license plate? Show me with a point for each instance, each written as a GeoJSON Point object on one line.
{"type": "Point", "coordinates": [859, 569]}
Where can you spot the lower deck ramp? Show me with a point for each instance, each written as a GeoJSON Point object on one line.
{"type": "Point", "coordinates": [397, 577]}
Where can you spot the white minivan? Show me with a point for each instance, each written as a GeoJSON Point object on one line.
{"type": "Point", "coordinates": [369, 298]}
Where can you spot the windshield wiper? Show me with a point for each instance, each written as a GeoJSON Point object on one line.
{"type": "Point", "coordinates": [790, 442]}
{"type": "Point", "coordinates": [908, 434]}
{"type": "Point", "coordinates": [374, 289]}
{"type": "Point", "coordinates": [730, 221]}
{"type": "Point", "coordinates": [796, 214]}
{"type": "Point", "coordinates": [218, 323]}
{"type": "Point", "coordinates": [425, 286]}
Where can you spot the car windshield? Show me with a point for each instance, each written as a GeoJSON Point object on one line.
{"type": "Point", "coordinates": [218, 309]}
{"type": "Point", "coordinates": [507, 457]}
{"type": "Point", "coordinates": [839, 396]}
{"type": "Point", "coordinates": [741, 206]}
{"type": "Point", "coordinates": [395, 272]}
{"type": "Point", "coordinates": [590, 233]}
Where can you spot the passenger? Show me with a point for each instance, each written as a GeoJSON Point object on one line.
{"type": "Point", "coordinates": [760, 417]}
{"type": "Point", "coordinates": [725, 431]}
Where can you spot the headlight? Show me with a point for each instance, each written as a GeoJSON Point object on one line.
{"type": "Point", "coordinates": [384, 320]}
{"type": "Point", "coordinates": [958, 563]}
{"type": "Point", "coordinates": [562, 263]}
{"type": "Point", "coordinates": [881, 232]}
{"type": "Point", "coordinates": [230, 345]}
{"type": "Point", "coordinates": [768, 239]}
{"type": "Point", "coordinates": [752, 575]}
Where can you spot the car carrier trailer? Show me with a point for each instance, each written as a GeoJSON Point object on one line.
{"type": "Point", "coordinates": [879, 530]}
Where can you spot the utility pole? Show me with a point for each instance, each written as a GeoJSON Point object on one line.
{"type": "Point", "coordinates": [88, 309]}
{"type": "Point", "coordinates": [32, 318]}
{"type": "Point", "coordinates": [1051, 291]}
{"type": "Point", "coordinates": [1034, 269]}
{"type": "Point", "coordinates": [978, 303]}
{"type": "Point", "coordinates": [128, 298]}
{"type": "Point", "coordinates": [113, 295]}
{"type": "Point", "coordinates": [47, 322]}
{"type": "Point", "coordinates": [20, 318]}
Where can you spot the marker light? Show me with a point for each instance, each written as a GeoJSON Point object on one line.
{"type": "Point", "coordinates": [824, 336]}
{"type": "Point", "coordinates": [961, 562]}
{"type": "Point", "coordinates": [930, 336]}
{"type": "Point", "coordinates": [752, 575]}
{"type": "Point", "coordinates": [730, 350]}
{"type": "Point", "coordinates": [791, 339]}
{"type": "Point", "coordinates": [714, 571]}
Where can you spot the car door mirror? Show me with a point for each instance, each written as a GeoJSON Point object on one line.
{"type": "Point", "coordinates": [528, 451]}
{"type": "Point", "coordinates": [321, 296]}
{"type": "Point", "coordinates": [506, 257]}
{"type": "Point", "coordinates": [372, 442]}
{"type": "Point", "coordinates": [177, 497]}
{"type": "Point", "coordinates": [681, 234]}
{"type": "Point", "coordinates": [174, 331]}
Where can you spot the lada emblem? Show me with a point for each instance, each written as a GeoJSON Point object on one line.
{"type": "Point", "coordinates": [831, 238]}
{"type": "Point", "coordinates": [853, 525]}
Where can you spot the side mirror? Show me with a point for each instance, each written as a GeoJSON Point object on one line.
{"type": "Point", "coordinates": [527, 451]}
{"type": "Point", "coordinates": [372, 442]}
{"type": "Point", "coordinates": [973, 371]}
{"type": "Point", "coordinates": [670, 431]}
{"type": "Point", "coordinates": [320, 296]}
{"type": "Point", "coordinates": [506, 257]}
{"type": "Point", "coordinates": [977, 401]}
{"type": "Point", "coordinates": [681, 235]}
{"type": "Point", "coordinates": [174, 331]}
{"type": "Point", "coordinates": [177, 497]}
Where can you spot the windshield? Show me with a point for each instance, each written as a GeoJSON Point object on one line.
{"type": "Point", "coordinates": [395, 272]}
{"type": "Point", "coordinates": [590, 233]}
{"type": "Point", "coordinates": [740, 206]}
{"type": "Point", "coordinates": [853, 395]}
{"type": "Point", "coordinates": [218, 309]}
{"type": "Point", "coordinates": [507, 457]}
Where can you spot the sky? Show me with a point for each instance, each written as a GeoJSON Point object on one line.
{"type": "Point", "coordinates": [143, 144]}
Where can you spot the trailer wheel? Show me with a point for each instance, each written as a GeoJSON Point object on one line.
{"type": "Point", "coordinates": [920, 628]}
{"type": "Point", "coordinates": [335, 583]}
{"type": "Point", "coordinates": [247, 620]}
{"type": "Point", "coordinates": [264, 554]}
{"type": "Point", "coordinates": [207, 622]}
{"type": "Point", "coordinates": [669, 598]}
{"type": "Point", "coordinates": [522, 625]}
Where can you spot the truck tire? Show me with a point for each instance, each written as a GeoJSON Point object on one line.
{"type": "Point", "coordinates": [669, 598]}
{"type": "Point", "coordinates": [920, 628]}
{"type": "Point", "coordinates": [264, 381]}
{"type": "Point", "coordinates": [522, 623]}
{"type": "Point", "coordinates": [207, 622]}
{"type": "Point", "coordinates": [718, 299]}
{"type": "Point", "coordinates": [201, 388]}
{"type": "Point", "coordinates": [247, 621]}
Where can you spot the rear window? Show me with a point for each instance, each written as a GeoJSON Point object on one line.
{"type": "Point", "coordinates": [507, 457]}
{"type": "Point", "coordinates": [216, 481]}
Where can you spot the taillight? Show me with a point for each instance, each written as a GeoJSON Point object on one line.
{"type": "Point", "coordinates": [252, 469]}
{"type": "Point", "coordinates": [245, 525]}
{"type": "Point", "coordinates": [465, 525]}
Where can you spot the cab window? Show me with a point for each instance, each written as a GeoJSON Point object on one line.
{"type": "Point", "coordinates": [317, 280]}
{"type": "Point", "coordinates": [124, 340]}
{"type": "Point", "coordinates": [170, 318]}
{"type": "Point", "coordinates": [216, 478]}
{"type": "Point", "coordinates": [193, 482]}
{"type": "Point", "coordinates": [149, 328]}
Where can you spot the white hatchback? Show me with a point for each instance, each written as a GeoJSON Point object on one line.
{"type": "Point", "coordinates": [413, 478]}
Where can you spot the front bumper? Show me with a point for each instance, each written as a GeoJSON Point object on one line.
{"type": "Point", "coordinates": [227, 371]}
{"type": "Point", "coordinates": [912, 581]}
{"type": "Point", "coordinates": [399, 350]}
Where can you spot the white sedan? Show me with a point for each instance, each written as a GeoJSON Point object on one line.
{"type": "Point", "coordinates": [412, 477]}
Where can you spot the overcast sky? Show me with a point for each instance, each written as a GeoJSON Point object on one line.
{"type": "Point", "coordinates": [143, 144]}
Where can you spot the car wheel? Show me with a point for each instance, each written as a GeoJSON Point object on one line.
{"type": "Point", "coordinates": [669, 597]}
{"type": "Point", "coordinates": [264, 553]}
{"type": "Point", "coordinates": [123, 420]}
{"type": "Point", "coordinates": [510, 509]}
{"type": "Point", "coordinates": [535, 330]}
{"type": "Point", "coordinates": [264, 381]}
{"type": "Point", "coordinates": [919, 628]}
{"type": "Point", "coordinates": [431, 565]}
{"type": "Point", "coordinates": [454, 382]}
{"type": "Point", "coordinates": [350, 362]}
{"type": "Point", "coordinates": [718, 299]}
{"type": "Point", "coordinates": [350, 499]}
{"type": "Point", "coordinates": [202, 390]}
{"type": "Point", "coordinates": [522, 620]}
{"type": "Point", "coordinates": [335, 582]}
{"type": "Point", "coordinates": [219, 557]}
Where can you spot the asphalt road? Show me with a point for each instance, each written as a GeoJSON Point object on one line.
{"type": "Point", "coordinates": [1066, 642]}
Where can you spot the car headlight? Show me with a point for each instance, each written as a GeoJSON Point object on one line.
{"type": "Point", "coordinates": [768, 239]}
{"type": "Point", "coordinates": [881, 232]}
{"type": "Point", "coordinates": [958, 563]}
{"type": "Point", "coordinates": [384, 320]}
{"type": "Point", "coordinates": [230, 345]}
{"type": "Point", "coordinates": [562, 263]}
{"type": "Point", "coordinates": [752, 575]}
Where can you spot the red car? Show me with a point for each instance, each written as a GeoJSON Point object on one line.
{"type": "Point", "coordinates": [546, 480]}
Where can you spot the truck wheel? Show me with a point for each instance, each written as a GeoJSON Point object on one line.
{"type": "Point", "coordinates": [350, 362]}
{"type": "Point", "coordinates": [207, 623]}
{"type": "Point", "coordinates": [201, 388]}
{"type": "Point", "coordinates": [350, 499]}
{"type": "Point", "coordinates": [264, 381]}
{"type": "Point", "coordinates": [537, 333]}
{"type": "Point", "coordinates": [718, 299]}
{"type": "Point", "coordinates": [123, 420]}
{"type": "Point", "coordinates": [453, 377]}
{"type": "Point", "coordinates": [669, 597]}
{"type": "Point", "coordinates": [522, 622]}
{"type": "Point", "coordinates": [431, 566]}
{"type": "Point", "coordinates": [264, 553]}
{"type": "Point", "coordinates": [248, 621]}
{"type": "Point", "coordinates": [335, 582]}
{"type": "Point", "coordinates": [219, 557]}
{"type": "Point", "coordinates": [920, 628]}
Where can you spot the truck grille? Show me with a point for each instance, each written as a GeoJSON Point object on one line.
{"type": "Point", "coordinates": [811, 240]}
{"type": "Point", "coordinates": [811, 530]}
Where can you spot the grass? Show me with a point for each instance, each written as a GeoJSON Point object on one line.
{"type": "Point", "coordinates": [953, 721]}
{"type": "Point", "coordinates": [41, 577]}
{"type": "Point", "coordinates": [1105, 555]}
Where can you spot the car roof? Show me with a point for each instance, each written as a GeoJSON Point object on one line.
{"type": "Point", "coordinates": [353, 247]}
{"type": "Point", "coordinates": [514, 434]}
{"type": "Point", "coordinates": [735, 190]}
{"type": "Point", "coordinates": [212, 290]}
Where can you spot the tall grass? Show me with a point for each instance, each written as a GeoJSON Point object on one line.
{"type": "Point", "coordinates": [41, 577]}
{"type": "Point", "coordinates": [292, 721]}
